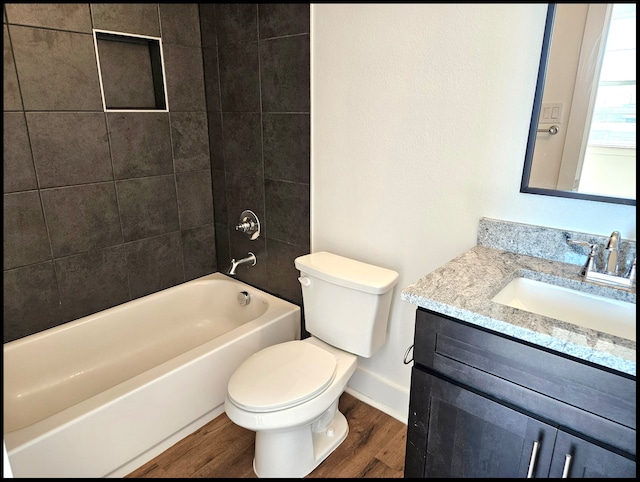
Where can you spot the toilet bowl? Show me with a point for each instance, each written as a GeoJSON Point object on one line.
{"type": "Point", "coordinates": [296, 418]}
{"type": "Point", "coordinates": [289, 393]}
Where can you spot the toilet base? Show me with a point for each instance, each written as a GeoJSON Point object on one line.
{"type": "Point", "coordinates": [297, 452]}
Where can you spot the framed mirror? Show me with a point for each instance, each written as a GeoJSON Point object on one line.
{"type": "Point", "coordinates": [582, 135]}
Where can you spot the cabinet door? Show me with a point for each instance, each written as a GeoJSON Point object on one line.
{"type": "Point", "coordinates": [468, 435]}
{"type": "Point", "coordinates": [578, 458]}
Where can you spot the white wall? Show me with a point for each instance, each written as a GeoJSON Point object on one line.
{"type": "Point", "coordinates": [419, 121]}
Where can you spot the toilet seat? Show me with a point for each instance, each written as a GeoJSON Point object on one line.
{"type": "Point", "coordinates": [281, 376]}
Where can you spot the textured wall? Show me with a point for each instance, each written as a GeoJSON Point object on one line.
{"type": "Point", "coordinates": [99, 207]}
{"type": "Point", "coordinates": [420, 114]}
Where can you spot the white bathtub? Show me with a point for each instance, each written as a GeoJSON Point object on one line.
{"type": "Point", "coordinates": [102, 395]}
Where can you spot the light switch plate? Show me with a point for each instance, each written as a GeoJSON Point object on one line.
{"type": "Point", "coordinates": [551, 113]}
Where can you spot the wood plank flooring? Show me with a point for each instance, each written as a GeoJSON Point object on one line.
{"type": "Point", "coordinates": [374, 448]}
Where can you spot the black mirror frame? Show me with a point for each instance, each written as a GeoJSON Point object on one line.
{"type": "Point", "coordinates": [533, 128]}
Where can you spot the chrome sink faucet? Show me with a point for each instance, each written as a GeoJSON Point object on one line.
{"type": "Point", "coordinates": [251, 258]}
{"type": "Point", "coordinates": [611, 254]}
{"type": "Point", "coordinates": [609, 274]}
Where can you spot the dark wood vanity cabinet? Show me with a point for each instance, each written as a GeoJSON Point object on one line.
{"type": "Point", "coordinates": [486, 405]}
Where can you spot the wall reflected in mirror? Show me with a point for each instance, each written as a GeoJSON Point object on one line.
{"type": "Point", "coordinates": [582, 138]}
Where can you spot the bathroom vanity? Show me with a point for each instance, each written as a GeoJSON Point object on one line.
{"type": "Point", "coordinates": [498, 391]}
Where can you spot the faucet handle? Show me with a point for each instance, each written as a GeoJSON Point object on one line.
{"type": "Point", "coordinates": [580, 243]}
{"type": "Point", "coordinates": [631, 272]}
{"type": "Point", "coordinates": [591, 257]}
{"type": "Point", "coordinates": [249, 224]}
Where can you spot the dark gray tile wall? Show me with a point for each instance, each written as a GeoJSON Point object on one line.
{"type": "Point", "coordinates": [100, 208]}
{"type": "Point", "coordinates": [127, 74]}
{"type": "Point", "coordinates": [257, 74]}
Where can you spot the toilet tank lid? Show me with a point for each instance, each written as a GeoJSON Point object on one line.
{"type": "Point", "coordinates": [347, 272]}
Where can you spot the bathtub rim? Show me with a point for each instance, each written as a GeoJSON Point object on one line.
{"type": "Point", "coordinates": [21, 438]}
{"type": "Point", "coordinates": [115, 309]}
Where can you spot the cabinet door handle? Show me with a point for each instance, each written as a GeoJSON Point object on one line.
{"type": "Point", "coordinates": [567, 465]}
{"type": "Point", "coordinates": [532, 461]}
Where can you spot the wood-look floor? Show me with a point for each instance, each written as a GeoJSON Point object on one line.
{"type": "Point", "coordinates": [374, 448]}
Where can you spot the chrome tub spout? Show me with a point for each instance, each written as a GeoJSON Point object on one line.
{"type": "Point", "coordinates": [251, 258]}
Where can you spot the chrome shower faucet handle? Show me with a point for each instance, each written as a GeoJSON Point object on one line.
{"type": "Point", "coordinates": [249, 224]}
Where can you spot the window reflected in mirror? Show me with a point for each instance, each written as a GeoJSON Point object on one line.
{"type": "Point", "coordinates": [582, 139]}
{"type": "Point", "coordinates": [612, 135]}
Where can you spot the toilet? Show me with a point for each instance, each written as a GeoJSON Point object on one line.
{"type": "Point", "coordinates": [288, 393]}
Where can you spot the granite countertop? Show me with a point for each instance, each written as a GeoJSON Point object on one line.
{"type": "Point", "coordinates": [463, 289]}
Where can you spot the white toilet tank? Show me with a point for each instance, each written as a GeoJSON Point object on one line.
{"type": "Point", "coordinates": [346, 302]}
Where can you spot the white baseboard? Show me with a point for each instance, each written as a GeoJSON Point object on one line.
{"type": "Point", "coordinates": [380, 393]}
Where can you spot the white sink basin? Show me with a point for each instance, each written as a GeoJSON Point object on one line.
{"type": "Point", "coordinates": [583, 309]}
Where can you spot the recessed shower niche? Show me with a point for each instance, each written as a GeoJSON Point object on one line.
{"type": "Point", "coordinates": [131, 71]}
